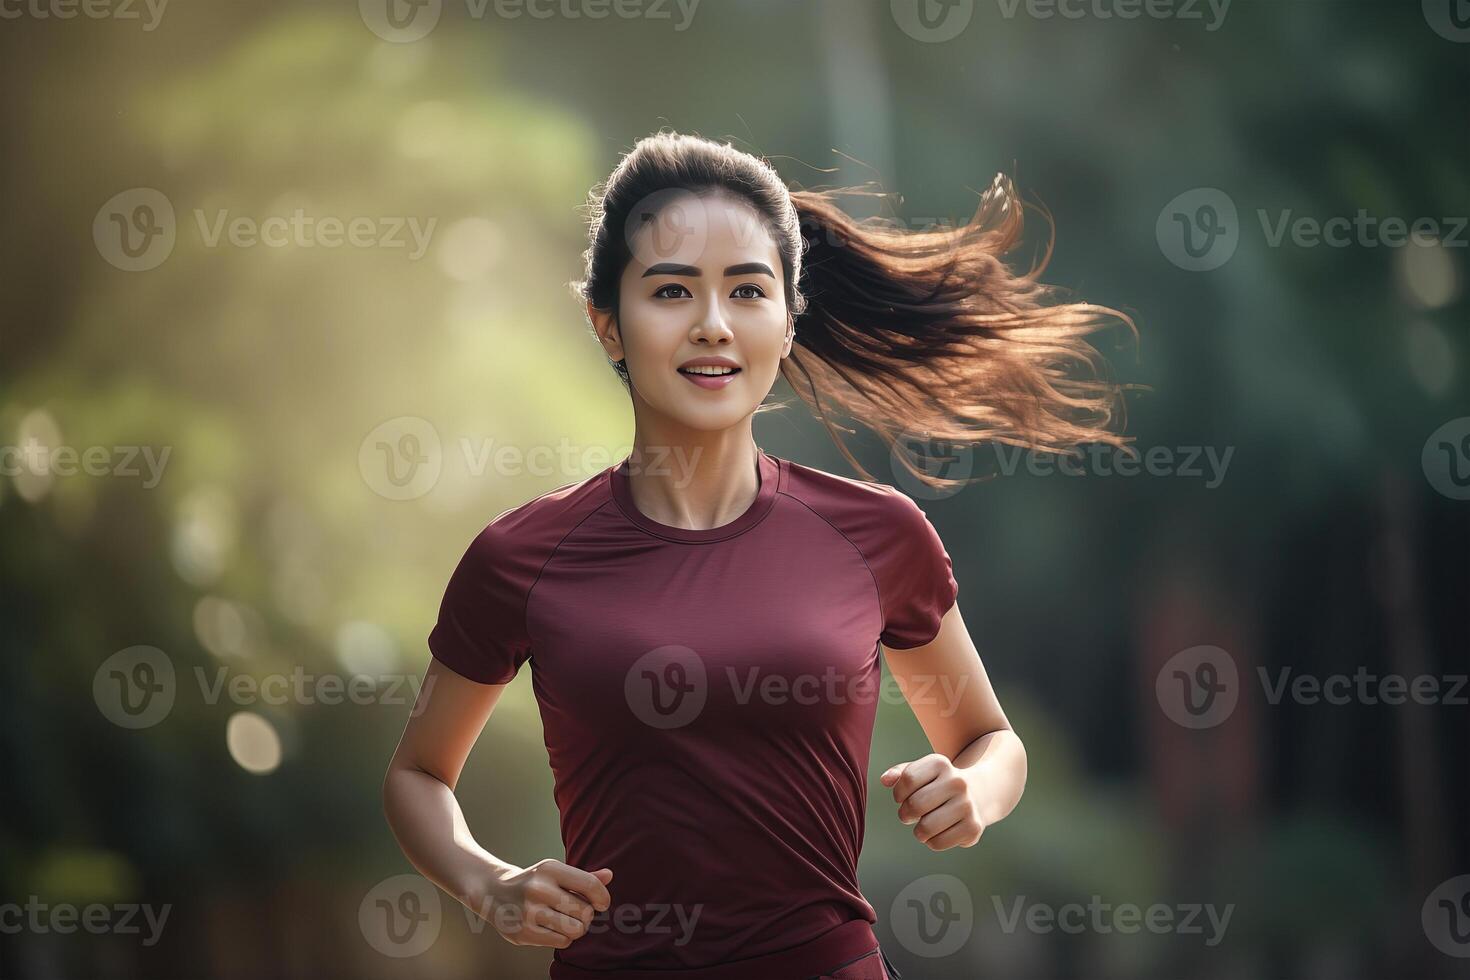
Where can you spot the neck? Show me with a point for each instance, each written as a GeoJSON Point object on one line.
{"type": "Point", "coordinates": [693, 479]}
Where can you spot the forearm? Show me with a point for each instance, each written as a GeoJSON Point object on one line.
{"type": "Point", "coordinates": [427, 821]}
{"type": "Point", "coordinates": [995, 768]}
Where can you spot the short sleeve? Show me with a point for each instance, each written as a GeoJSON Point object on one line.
{"type": "Point", "coordinates": [481, 630]}
{"type": "Point", "coordinates": [916, 582]}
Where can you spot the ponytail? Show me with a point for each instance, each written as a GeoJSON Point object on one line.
{"type": "Point", "coordinates": [926, 334]}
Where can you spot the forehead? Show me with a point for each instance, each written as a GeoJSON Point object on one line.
{"type": "Point", "coordinates": [697, 229]}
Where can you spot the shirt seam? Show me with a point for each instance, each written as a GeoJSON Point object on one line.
{"type": "Point", "coordinates": [526, 605]}
{"type": "Point", "coordinates": [877, 588]}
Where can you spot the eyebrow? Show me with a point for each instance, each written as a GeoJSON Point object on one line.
{"type": "Point", "coordinates": [674, 269]}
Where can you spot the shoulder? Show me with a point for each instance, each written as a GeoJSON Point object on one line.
{"type": "Point", "coordinates": [481, 632]}
{"type": "Point", "coordinates": [865, 511]}
{"type": "Point", "coordinates": [521, 538]}
{"type": "Point", "coordinates": [909, 564]}
{"type": "Point", "coordinates": [818, 488]}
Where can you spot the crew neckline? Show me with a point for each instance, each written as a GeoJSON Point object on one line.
{"type": "Point", "coordinates": [769, 468]}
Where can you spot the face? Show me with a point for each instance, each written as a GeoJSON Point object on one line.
{"type": "Point", "coordinates": [704, 282]}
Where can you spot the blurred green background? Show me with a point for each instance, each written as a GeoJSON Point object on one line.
{"type": "Point", "coordinates": [271, 542]}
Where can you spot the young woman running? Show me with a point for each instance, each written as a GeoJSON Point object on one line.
{"type": "Point", "coordinates": [703, 619]}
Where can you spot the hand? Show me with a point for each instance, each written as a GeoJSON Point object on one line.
{"type": "Point", "coordinates": [933, 794]}
{"type": "Point", "coordinates": [548, 904]}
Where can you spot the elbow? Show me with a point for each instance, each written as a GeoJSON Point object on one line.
{"type": "Point", "coordinates": [1022, 767]}
{"type": "Point", "coordinates": [388, 794]}
{"type": "Point", "coordinates": [1019, 767]}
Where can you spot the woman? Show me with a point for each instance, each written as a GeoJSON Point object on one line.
{"type": "Point", "coordinates": [703, 619]}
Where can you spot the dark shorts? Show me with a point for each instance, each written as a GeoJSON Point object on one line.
{"type": "Point", "coordinates": [873, 965]}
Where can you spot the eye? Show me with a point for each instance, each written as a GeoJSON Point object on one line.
{"type": "Point", "coordinates": [671, 285]}
{"type": "Point", "coordinates": [750, 285]}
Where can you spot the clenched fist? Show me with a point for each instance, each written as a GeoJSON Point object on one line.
{"type": "Point", "coordinates": [549, 903]}
{"type": "Point", "coordinates": [935, 796]}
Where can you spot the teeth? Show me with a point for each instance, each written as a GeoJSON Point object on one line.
{"type": "Point", "coordinates": [708, 369]}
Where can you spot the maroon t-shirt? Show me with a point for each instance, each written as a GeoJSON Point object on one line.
{"type": "Point", "coordinates": [707, 699]}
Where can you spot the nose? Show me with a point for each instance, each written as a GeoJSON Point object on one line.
{"type": "Point", "coordinates": [711, 326]}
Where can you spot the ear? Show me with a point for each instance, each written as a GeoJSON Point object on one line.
{"type": "Point", "coordinates": [790, 336]}
{"type": "Point", "coordinates": [605, 324]}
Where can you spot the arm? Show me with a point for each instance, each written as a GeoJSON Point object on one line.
{"type": "Point", "coordinates": [547, 904]}
{"type": "Point", "coordinates": [977, 771]}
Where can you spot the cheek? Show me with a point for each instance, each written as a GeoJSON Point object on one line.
{"type": "Point", "coordinates": [647, 328]}
{"type": "Point", "coordinates": [769, 334]}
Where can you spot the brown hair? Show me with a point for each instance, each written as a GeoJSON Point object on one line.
{"type": "Point", "coordinates": [914, 333]}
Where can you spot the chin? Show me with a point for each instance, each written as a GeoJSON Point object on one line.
{"type": "Point", "coordinates": [705, 411]}
{"type": "Point", "coordinates": [709, 418]}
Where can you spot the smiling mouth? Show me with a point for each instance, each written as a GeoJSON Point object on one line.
{"type": "Point", "coordinates": [709, 372]}
{"type": "Point", "coordinates": [711, 379]}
